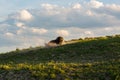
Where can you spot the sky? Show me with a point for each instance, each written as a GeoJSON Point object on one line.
{"type": "Point", "coordinates": [25, 23]}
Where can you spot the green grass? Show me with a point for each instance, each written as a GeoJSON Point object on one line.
{"type": "Point", "coordinates": [88, 59]}
{"type": "Point", "coordinates": [61, 71]}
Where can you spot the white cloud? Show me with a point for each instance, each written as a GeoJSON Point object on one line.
{"type": "Point", "coordinates": [113, 7]}
{"type": "Point", "coordinates": [90, 13]}
{"type": "Point", "coordinates": [32, 41]}
{"type": "Point", "coordinates": [31, 31]}
{"type": "Point", "coordinates": [58, 16]}
{"type": "Point", "coordinates": [8, 34]}
{"type": "Point", "coordinates": [23, 15]}
{"type": "Point", "coordinates": [20, 25]}
{"type": "Point", "coordinates": [62, 32]}
{"type": "Point", "coordinates": [26, 30]}
{"type": "Point", "coordinates": [48, 6]}
{"type": "Point", "coordinates": [88, 32]}
{"type": "Point", "coordinates": [95, 4]}
{"type": "Point", "coordinates": [49, 9]}
{"type": "Point", "coordinates": [39, 31]}
{"type": "Point", "coordinates": [108, 29]}
{"type": "Point", "coordinates": [76, 6]}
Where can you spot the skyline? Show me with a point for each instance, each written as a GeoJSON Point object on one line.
{"type": "Point", "coordinates": [32, 23]}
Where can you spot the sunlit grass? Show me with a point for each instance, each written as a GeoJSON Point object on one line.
{"type": "Point", "coordinates": [62, 71]}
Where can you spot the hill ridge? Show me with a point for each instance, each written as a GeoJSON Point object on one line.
{"type": "Point", "coordinates": [74, 48]}
{"type": "Point", "coordinates": [89, 59]}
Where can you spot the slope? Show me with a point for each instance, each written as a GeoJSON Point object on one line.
{"type": "Point", "coordinates": [88, 59]}
{"type": "Point", "coordinates": [87, 50]}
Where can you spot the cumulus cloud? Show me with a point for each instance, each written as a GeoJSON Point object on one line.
{"type": "Point", "coordinates": [8, 34]}
{"type": "Point", "coordinates": [20, 25]}
{"type": "Point", "coordinates": [108, 29]}
{"type": "Point", "coordinates": [88, 32]}
{"type": "Point", "coordinates": [62, 32]}
{"type": "Point", "coordinates": [25, 15]}
{"type": "Point", "coordinates": [51, 16]}
{"type": "Point", "coordinates": [39, 31]}
{"type": "Point", "coordinates": [31, 41]}
{"type": "Point", "coordinates": [95, 4]}
{"type": "Point", "coordinates": [77, 6]}
{"type": "Point", "coordinates": [48, 6]}
{"type": "Point", "coordinates": [113, 7]}
{"type": "Point", "coordinates": [90, 13]}
{"type": "Point", "coordinates": [31, 31]}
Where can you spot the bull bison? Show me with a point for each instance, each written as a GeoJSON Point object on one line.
{"type": "Point", "coordinates": [58, 41]}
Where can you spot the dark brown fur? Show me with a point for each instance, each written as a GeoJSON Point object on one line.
{"type": "Point", "coordinates": [58, 40]}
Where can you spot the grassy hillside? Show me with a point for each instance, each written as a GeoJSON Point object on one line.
{"type": "Point", "coordinates": [84, 59]}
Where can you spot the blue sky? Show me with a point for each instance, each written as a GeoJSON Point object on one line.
{"type": "Point", "coordinates": [8, 6]}
{"type": "Point", "coordinates": [25, 23]}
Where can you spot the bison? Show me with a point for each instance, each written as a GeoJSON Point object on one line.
{"type": "Point", "coordinates": [57, 42]}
